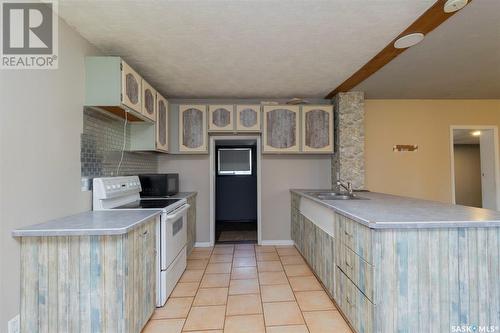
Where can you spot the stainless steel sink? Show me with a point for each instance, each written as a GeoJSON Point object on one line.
{"type": "Point", "coordinates": [334, 196]}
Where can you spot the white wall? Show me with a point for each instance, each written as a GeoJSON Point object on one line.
{"type": "Point", "coordinates": [279, 175]}
{"type": "Point", "coordinates": [41, 121]}
{"type": "Point", "coordinates": [193, 176]}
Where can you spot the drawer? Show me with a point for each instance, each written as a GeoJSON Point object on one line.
{"type": "Point", "coordinates": [357, 269]}
{"type": "Point", "coordinates": [356, 307]}
{"type": "Point", "coordinates": [355, 236]}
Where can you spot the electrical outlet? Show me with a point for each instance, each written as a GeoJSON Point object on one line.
{"type": "Point", "coordinates": [14, 325]}
{"type": "Point", "coordinates": [86, 184]}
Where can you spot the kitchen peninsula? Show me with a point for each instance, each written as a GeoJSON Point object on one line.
{"type": "Point", "coordinates": [399, 264]}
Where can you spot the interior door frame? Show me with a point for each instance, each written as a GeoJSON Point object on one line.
{"type": "Point", "coordinates": [496, 157]}
{"type": "Point", "coordinates": [213, 172]}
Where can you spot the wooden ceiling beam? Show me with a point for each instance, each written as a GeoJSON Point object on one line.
{"type": "Point", "coordinates": [428, 21]}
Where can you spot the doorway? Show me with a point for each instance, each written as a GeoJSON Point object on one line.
{"type": "Point", "coordinates": [235, 190]}
{"type": "Point", "coordinates": [475, 166]}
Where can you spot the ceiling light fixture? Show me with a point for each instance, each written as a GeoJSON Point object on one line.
{"type": "Point", "coordinates": [408, 40]}
{"type": "Point", "coordinates": [452, 6]}
{"type": "Point", "coordinates": [476, 133]}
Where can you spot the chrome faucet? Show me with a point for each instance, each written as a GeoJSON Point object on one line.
{"type": "Point", "coordinates": [347, 187]}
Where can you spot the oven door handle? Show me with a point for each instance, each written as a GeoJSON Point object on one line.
{"type": "Point", "coordinates": [178, 212]}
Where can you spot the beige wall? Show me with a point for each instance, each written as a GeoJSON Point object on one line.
{"type": "Point", "coordinates": [467, 160]}
{"type": "Point", "coordinates": [41, 122]}
{"type": "Point", "coordinates": [278, 175]}
{"type": "Point", "coordinates": [426, 173]}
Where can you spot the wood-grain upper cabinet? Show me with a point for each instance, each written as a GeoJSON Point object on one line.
{"type": "Point", "coordinates": [193, 129]}
{"type": "Point", "coordinates": [131, 88]}
{"type": "Point", "coordinates": [220, 118]}
{"type": "Point", "coordinates": [248, 118]}
{"type": "Point", "coordinates": [281, 129]}
{"type": "Point", "coordinates": [317, 129]}
{"type": "Point", "coordinates": [148, 108]}
{"type": "Point", "coordinates": [161, 123]}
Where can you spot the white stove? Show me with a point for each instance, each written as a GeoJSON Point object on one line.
{"type": "Point", "coordinates": [171, 228]}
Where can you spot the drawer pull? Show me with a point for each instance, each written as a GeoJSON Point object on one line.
{"type": "Point", "coordinates": [348, 301]}
{"type": "Point", "coordinates": [145, 233]}
{"type": "Point", "coordinates": [347, 264]}
{"type": "Point", "coordinates": [347, 234]}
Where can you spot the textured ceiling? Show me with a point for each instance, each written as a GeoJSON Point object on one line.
{"type": "Point", "coordinates": [242, 49]}
{"type": "Point", "coordinates": [460, 59]}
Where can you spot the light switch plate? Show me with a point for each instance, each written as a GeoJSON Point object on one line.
{"type": "Point", "coordinates": [14, 325]}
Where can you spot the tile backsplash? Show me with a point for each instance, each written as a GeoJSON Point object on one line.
{"type": "Point", "coordinates": [101, 148]}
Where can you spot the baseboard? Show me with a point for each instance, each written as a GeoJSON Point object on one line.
{"type": "Point", "coordinates": [282, 242]}
{"type": "Point", "coordinates": [202, 244]}
{"type": "Point", "coordinates": [278, 242]}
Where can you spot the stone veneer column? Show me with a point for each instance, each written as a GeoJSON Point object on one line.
{"type": "Point", "coordinates": [348, 161]}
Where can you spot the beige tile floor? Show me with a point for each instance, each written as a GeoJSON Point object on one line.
{"type": "Point", "coordinates": [246, 288]}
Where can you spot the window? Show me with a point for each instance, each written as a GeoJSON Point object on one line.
{"type": "Point", "coordinates": [234, 161]}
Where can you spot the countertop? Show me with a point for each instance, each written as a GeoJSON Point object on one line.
{"type": "Point", "coordinates": [383, 211]}
{"type": "Point", "coordinates": [93, 223]}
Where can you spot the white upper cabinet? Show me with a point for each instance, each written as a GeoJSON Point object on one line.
{"type": "Point", "coordinates": [149, 104]}
{"type": "Point", "coordinates": [248, 118]}
{"type": "Point", "coordinates": [220, 118]}
{"type": "Point", "coordinates": [193, 134]}
{"type": "Point", "coordinates": [131, 88]}
{"type": "Point", "coordinates": [281, 129]}
{"type": "Point", "coordinates": [161, 123]}
{"type": "Point", "coordinates": [112, 85]}
{"type": "Point", "coordinates": [317, 129]}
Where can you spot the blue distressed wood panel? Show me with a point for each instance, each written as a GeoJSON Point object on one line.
{"type": "Point", "coordinates": [88, 283]}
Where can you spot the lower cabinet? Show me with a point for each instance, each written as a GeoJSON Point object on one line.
{"type": "Point", "coordinates": [403, 280]}
{"type": "Point", "coordinates": [347, 277]}
{"type": "Point", "coordinates": [356, 269]}
{"type": "Point", "coordinates": [191, 223]}
{"type": "Point", "coordinates": [89, 283]}
{"type": "Point", "coordinates": [140, 298]}
{"type": "Point", "coordinates": [317, 247]}
{"type": "Point", "coordinates": [353, 303]}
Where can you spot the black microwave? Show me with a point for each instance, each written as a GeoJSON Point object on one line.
{"type": "Point", "coordinates": [159, 184]}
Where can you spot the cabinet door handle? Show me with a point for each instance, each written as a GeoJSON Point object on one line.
{"type": "Point", "coordinates": [347, 234]}
{"type": "Point", "coordinates": [348, 300]}
{"type": "Point", "coordinates": [145, 233]}
{"type": "Point", "coordinates": [347, 264]}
